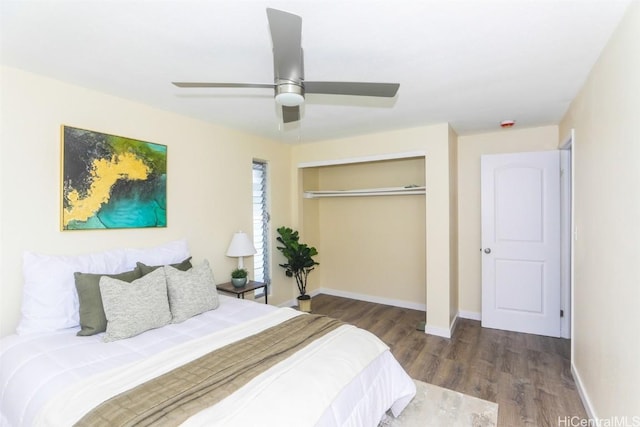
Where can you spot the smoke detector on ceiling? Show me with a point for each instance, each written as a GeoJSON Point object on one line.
{"type": "Point", "coordinates": [507, 123]}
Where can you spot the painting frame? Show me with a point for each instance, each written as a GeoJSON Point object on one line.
{"type": "Point", "coordinates": [111, 182]}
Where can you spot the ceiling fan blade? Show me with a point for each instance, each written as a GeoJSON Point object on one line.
{"type": "Point", "coordinates": [387, 90]}
{"type": "Point", "coordinates": [251, 85]}
{"type": "Point", "coordinates": [290, 114]}
{"type": "Point", "coordinates": [286, 35]}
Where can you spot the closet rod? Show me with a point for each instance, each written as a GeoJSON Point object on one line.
{"type": "Point", "coordinates": [387, 191]}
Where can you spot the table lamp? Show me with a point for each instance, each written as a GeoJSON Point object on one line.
{"type": "Point", "coordinates": [240, 247]}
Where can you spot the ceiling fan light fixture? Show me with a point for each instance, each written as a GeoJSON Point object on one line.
{"type": "Point", "coordinates": [289, 94]}
{"type": "Point", "coordinates": [289, 99]}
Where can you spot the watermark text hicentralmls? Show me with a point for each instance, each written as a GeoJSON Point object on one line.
{"type": "Point", "coordinates": [576, 421]}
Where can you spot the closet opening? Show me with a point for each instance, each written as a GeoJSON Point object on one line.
{"type": "Point", "coordinates": [367, 218]}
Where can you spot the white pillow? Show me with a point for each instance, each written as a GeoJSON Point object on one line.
{"type": "Point", "coordinates": [136, 307]}
{"type": "Point", "coordinates": [50, 299]}
{"type": "Point", "coordinates": [169, 253]}
{"type": "Point", "coordinates": [191, 292]}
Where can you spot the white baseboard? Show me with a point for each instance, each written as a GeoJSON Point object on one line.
{"type": "Point", "coordinates": [591, 413]}
{"type": "Point", "coordinates": [369, 298]}
{"type": "Point", "coordinates": [289, 303]}
{"type": "Point", "coordinates": [443, 332]}
{"type": "Point", "coordinates": [471, 315]}
{"type": "Point", "coordinates": [438, 331]}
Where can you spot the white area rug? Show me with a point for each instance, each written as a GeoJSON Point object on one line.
{"type": "Point", "coordinates": [436, 406]}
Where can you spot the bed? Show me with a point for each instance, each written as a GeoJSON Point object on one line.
{"type": "Point", "coordinates": [343, 377]}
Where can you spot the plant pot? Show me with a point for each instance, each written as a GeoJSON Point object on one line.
{"type": "Point", "coordinates": [239, 282]}
{"type": "Point", "coordinates": [304, 303]}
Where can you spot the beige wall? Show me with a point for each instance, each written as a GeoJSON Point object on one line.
{"type": "Point", "coordinates": [203, 160]}
{"type": "Point", "coordinates": [372, 246]}
{"type": "Point", "coordinates": [470, 148]}
{"type": "Point", "coordinates": [433, 141]}
{"type": "Point", "coordinates": [606, 119]}
{"type": "Point", "coordinates": [454, 291]}
{"type": "Point", "coordinates": [209, 179]}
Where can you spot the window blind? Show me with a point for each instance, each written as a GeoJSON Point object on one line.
{"type": "Point", "coordinates": [260, 224]}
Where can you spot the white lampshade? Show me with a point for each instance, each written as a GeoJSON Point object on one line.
{"type": "Point", "coordinates": [241, 246]}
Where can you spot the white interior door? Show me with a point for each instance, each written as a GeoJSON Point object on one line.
{"type": "Point", "coordinates": [520, 199]}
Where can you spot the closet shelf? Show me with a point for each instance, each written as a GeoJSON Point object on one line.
{"type": "Point", "coordinates": [385, 191]}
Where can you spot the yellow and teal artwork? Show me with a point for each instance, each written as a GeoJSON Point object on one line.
{"type": "Point", "coordinates": [112, 182]}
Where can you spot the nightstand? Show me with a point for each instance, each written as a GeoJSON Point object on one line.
{"type": "Point", "coordinates": [239, 292]}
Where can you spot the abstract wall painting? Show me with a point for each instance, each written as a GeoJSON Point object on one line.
{"type": "Point", "coordinates": [112, 182]}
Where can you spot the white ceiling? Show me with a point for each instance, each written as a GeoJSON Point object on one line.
{"type": "Point", "coordinates": [471, 63]}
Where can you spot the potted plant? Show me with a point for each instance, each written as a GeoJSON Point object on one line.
{"type": "Point", "coordinates": [239, 277]}
{"type": "Point", "coordinates": [299, 263]}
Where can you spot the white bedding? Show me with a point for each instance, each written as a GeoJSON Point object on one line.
{"type": "Point", "coordinates": [36, 371]}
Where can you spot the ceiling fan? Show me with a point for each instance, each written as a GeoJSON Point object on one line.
{"type": "Point", "coordinates": [289, 84]}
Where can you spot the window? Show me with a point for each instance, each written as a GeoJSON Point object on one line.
{"type": "Point", "coordinates": [261, 271]}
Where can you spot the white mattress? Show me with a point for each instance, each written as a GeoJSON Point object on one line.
{"type": "Point", "coordinates": [34, 369]}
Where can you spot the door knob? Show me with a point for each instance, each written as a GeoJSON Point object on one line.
{"type": "Point", "coordinates": [487, 250]}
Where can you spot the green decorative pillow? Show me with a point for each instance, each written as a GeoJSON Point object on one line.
{"type": "Point", "coordinates": [182, 266]}
{"type": "Point", "coordinates": [92, 318]}
{"type": "Point", "coordinates": [136, 307]}
{"type": "Point", "coordinates": [191, 292]}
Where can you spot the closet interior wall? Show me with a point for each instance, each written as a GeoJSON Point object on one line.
{"type": "Point", "coordinates": [372, 246]}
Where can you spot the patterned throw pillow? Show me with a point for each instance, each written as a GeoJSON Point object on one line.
{"type": "Point", "coordinates": [136, 307]}
{"type": "Point", "coordinates": [191, 292]}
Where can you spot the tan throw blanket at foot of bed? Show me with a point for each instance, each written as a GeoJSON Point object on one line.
{"type": "Point", "coordinates": [177, 395]}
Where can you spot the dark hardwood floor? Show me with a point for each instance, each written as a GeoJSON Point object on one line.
{"type": "Point", "coordinates": [529, 376]}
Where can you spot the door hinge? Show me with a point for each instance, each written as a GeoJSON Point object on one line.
{"type": "Point", "coordinates": [561, 313]}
